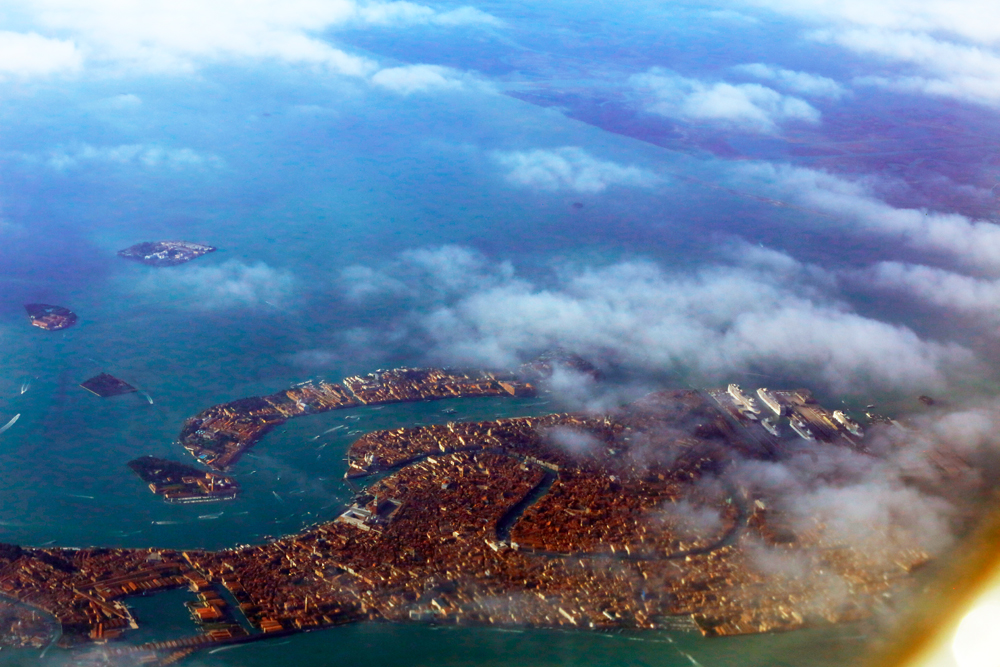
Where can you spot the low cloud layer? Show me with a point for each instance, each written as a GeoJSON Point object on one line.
{"type": "Point", "coordinates": [852, 205]}
{"type": "Point", "coordinates": [410, 79]}
{"type": "Point", "coordinates": [182, 35]}
{"type": "Point", "coordinates": [231, 285]}
{"type": "Point", "coordinates": [799, 82]}
{"type": "Point", "coordinates": [411, 13]}
{"type": "Point", "coordinates": [763, 312]}
{"type": "Point", "coordinates": [973, 20]}
{"type": "Point", "coordinates": [141, 155]}
{"type": "Point", "coordinates": [941, 68]}
{"type": "Point", "coordinates": [747, 106]}
{"type": "Point", "coordinates": [570, 168]}
{"type": "Point", "coordinates": [949, 47]}
{"type": "Point", "coordinates": [918, 490]}
{"type": "Point", "coordinates": [972, 297]}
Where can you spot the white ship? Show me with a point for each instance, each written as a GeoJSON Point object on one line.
{"type": "Point", "coordinates": [799, 426]}
{"type": "Point", "coordinates": [742, 399]}
{"type": "Point", "coordinates": [771, 401]}
{"type": "Point", "coordinates": [852, 426]}
{"type": "Point", "coordinates": [771, 424]}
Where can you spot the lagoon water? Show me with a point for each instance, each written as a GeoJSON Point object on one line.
{"type": "Point", "coordinates": [65, 482]}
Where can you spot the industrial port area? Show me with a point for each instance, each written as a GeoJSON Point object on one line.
{"type": "Point", "coordinates": [579, 521]}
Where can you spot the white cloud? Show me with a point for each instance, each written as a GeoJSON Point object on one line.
{"type": "Point", "coordinates": [975, 20]}
{"type": "Point", "coordinates": [409, 13]}
{"type": "Point", "coordinates": [951, 44]}
{"type": "Point", "coordinates": [409, 79]}
{"type": "Point", "coordinates": [570, 168]}
{"type": "Point", "coordinates": [766, 313]}
{"type": "Point", "coordinates": [851, 205]}
{"type": "Point", "coordinates": [30, 54]}
{"type": "Point", "coordinates": [944, 289]}
{"type": "Point", "coordinates": [746, 106]}
{"type": "Point", "coordinates": [144, 155]}
{"type": "Point", "coordinates": [438, 272]}
{"type": "Point", "coordinates": [800, 82]}
{"type": "Point", "coordinates": [731, 16]}
{"type": "Point", "coordinates": [948, 69]}
{"type": "Point", "coordinates": [230, 285]}
{"type": "Point", "coordinates": [362, 282]}
{"type": "Point", "coordinates": [181, 35]}
{"type": "Point", "coordinates": [125, 101]}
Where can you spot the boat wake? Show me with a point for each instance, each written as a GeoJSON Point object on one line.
{"type": "Point", "coordinates": [10, 423]}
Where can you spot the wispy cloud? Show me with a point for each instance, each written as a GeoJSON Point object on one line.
{"type": "Point", "coordinates": [747, 106]}
{"type": "Point", "coordinates": [123, 102]}
{"type": "Point", "coordinates": [182, 35]}
{"type": "Point", "coordinates": [977, 298]}
{"type": "Point", "coordinates": [142, 155]}
{"type": "Point", "coordinates": [409, 13]}
{"type": "Point", "coordinates": [409, 79]}
{"type": "Point", "coordinates": [570, 168]}
{"type": "Point", "coordinates": [422, 273]}
{"type": "Point", "coordinates": [943, 68]}
{"type": "Point", "coordinates": [763, 312]}
{"type": "Point", "coordinates": [800, 82]}
{"type": "Point", "coordinates": [973, 20]}
{"type": "Point", "coordinates": [852, 205]}
{"type": "Point", "coordinates": [950, 46]}
{"type": "Point", "coordinates": [231, 285]}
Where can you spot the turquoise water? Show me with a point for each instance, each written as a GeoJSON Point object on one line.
{"type": "Point", "coordinates": [66, 484]}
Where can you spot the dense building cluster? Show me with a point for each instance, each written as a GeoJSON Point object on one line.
{"type": "Point", "coordinates": [179, 483]}
{"type": "Point", "coordinates": [219, 435]}
{"type": "Point", "coordinates": [50, 318]}
{"type": "Point", "coordinates": [23, 627]}
{"type": "Point", "coordinates": [620, 520]}
{"type": "Point", "coordinates": [165, 253]}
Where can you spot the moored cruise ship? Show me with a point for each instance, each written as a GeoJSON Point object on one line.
{"type": "Point", "coordinates": [768, 398]}
{"type": "Point", "coordinates": [799, 426]}
{"type": "Point", "coordinates": [852, 426]}
{"type": "Point", "coordinates": [742, 399]}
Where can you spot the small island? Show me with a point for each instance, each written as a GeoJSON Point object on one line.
{"type": "Point", "coordinates": [165, 253]}
{"type": "Point", "coordinates": [179, 483]}
{"type": "Point", "coordinates": [105, 385]}
{"type": "Point", "coordinates": [50, 318]}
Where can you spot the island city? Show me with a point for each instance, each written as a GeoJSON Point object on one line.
{"type": "Point", "coordinates": [561, 520]}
